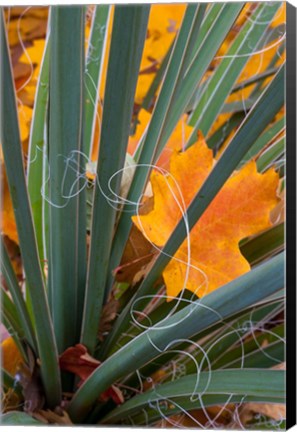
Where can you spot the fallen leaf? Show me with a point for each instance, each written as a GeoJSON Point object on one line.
{"type": "Point", "coordinates": [26, 27]}
{"type": "Point", "coordinates": [240, 209]}
{"type": "Point", "coordinates": [10, 401]}
{"type": "Point", "coordinates": [28, 375]}
{"type": "Point", "coordinates": [108, 315]}
{"type": "Point", "coordinates": [138, 253]}
{"type": "Point", "coordinates": [274, 411]}
{"type": "Point", "coordinates": [57, 417]}
{"type": "Point", "coordinates": [11, 357]}
{"type": "Point", "coordinates": [279, 212]}
{"type": "Point", "coordinates": [78, 361]}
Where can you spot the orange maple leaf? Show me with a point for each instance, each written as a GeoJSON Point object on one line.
{"type": "Point", "coordinates": [241, 208]}
{"type": "Point", "coordinates": [11, 356]}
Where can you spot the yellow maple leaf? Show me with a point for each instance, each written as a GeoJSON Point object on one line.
{"type": "Point", "coordinates": [11, 356]}
{"type": "Point", "coordinates": [241, 208]}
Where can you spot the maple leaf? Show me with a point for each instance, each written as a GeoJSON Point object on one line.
{"type": "Point", "coordinates": [11, 356]}
{"type": "Point", "coordinates": [240, 209]}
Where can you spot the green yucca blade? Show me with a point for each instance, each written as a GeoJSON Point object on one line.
{"type": "Point", "coordinates": [151, 93]}
{"type": "Point", "coordinates": [267, 385]}
{"type": "Point", "coordinates": [271, 38]}
{"type": "Point", "coordinates": [38, 151]}
{"type": "Point", "coordinates": [264, 139]}
{"type": "Point", "coordinates": [217, 139]}
{"type": "Point", "coordinates": [220, 304]}
{"type": "Point", "coordinates": [253, 350]}
{"type": "Point", "coordinates": [266, 244]}
{"type": "Point", "coordinates": [178, 62]}
{"type": "Point", "coordinates": [12, 152]}
{"type": "Point", "coordinates": [16, 294]}
{"type": "Point", "coordinates": [184, 405]}
{"type": "Point", "coordinates": [169, 114]}
{"type": "Point", "coordinates": [159, 313]}
{"type": "Point", "coordinates": [258, 78]}
{"type": "Point", "coordinates": [15, 418]}
{"type": "Point", "coordinates": [193, 15]}
{"type": "Point", "coordinates": [223, 79]}
{"type": "Point", "coordinates": [125, 56]}
{"type": "Point", "coordinates": [270, 156]}
{"type": "Point", "coordinates": [212, 343]}
{"type": "Point", "coordinates": [9, 382]}
{"type": "Point", "coordinates": [9, 308]}
{"type": "Point", "coordinates": [11, 320]}
{"type": "Point", "coordinates": [94, 63]}
{"type": "Point", "coordinates": [255, 122]}
{"type": "Point", "coordinates": [237, 339]}
{"type": "Point", "coordinates": [65, 165]}
{"type": "Point", "coordinates": [189, 54]}
{"type": "Point", "coordinates": [37, 172]}
{"type": "Point", "coordinates": [203, 57]}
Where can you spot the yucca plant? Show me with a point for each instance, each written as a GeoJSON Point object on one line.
{"type": "Point", "coordinates": [148, 351]}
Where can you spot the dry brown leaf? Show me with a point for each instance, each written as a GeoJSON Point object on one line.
{"type": "Point", "coordinates": [109, 313]}
{"type": "Point", "coordinates": [57, 417]}
{"type": "Point", "coordinates": [30, 380]}
{"type": "Point", "coordinates": [10, 401]}
{"type": "Point", "coordinates": [278, 213]}
{"type": "Point", "coordinates": [137, 255]}
{"type": "Point", "coordinates": [274, 411]}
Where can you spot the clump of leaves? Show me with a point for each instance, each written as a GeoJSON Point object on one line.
{"type": "Point", "coordinates": [143, 201]}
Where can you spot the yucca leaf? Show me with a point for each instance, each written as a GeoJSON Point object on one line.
{"type": "Point", "coordinates": [215, 307]}
{"type": "Point", "coordinates": [270, 156]}
{"type": "Point", "coordinates": [216, 339]}
{"type": "Point", "coordinates": [201, 61]}
{"type": "Point", "coordinates": [253, 349]}
{"type": "Point", "coordinates": [193, 14]}
{"type": "Point", "coordinates": [94, 62]}
{"type": "Point", "coordinates": [264, 245]}
{"type": "Point", "coordinates": [12, 152]}
{"type": "Point", "coordinates": [14, 418]}
{"type": "Point", "coordinates": [151, 93]}
{"type": "Point", "coordinates": [223, 79]}
{"type": "Point", "coordinates": [255, 122]}
{"type": "Point", "coordinates": [268, 135]}
{"type": "Point", "coordinates": [65, 168]}
{"type": "Point", "coordinates": [16, 294]}
{"type": "Point", "coordinates": [262, 384]}
{"type": "Point", "coordinates": [258, 78]}
{"type": "Point", "coordinates": [216, 140]}
{"type": "Point", "coordinates": [9, 382]}
{"type": "Point", "coordinates": [37, 172]}
{"type": "Point", "coordinates": [184, 405]}
{"type": "Point", "coordinates": [235, 339]}
{"type": "Point", "coordinates": [38, 151]}
{"type": "Point", "coordinates": [10, 320]}
{"type": "Point", "coordinates": [125, 56]}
